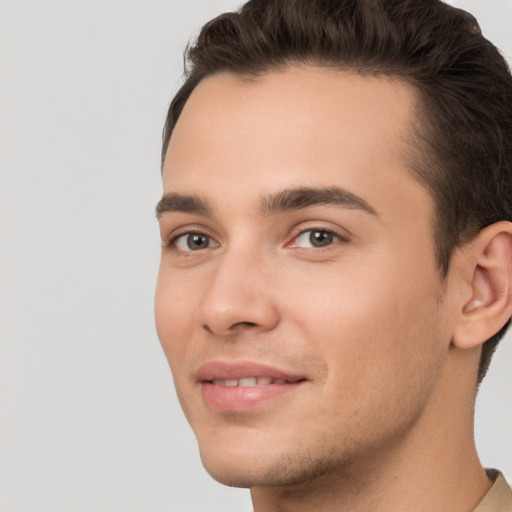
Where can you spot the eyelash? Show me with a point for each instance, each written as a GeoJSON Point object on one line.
{"type": "Point", "coordinates": [328, 231]}
{"type": "Point", "coordinates": [171, 243]}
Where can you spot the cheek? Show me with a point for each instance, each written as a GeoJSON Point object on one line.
{"type": "Point", "coordinates": [174, 307]}
{"type": "Point", "coordinates": [382, 353]}
{"type": "Point", "coordinates": [372, 327]}
{"type": "Point", "coordinates": [174, 313]}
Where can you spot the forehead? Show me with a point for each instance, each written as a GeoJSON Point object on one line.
{"type": "Point", "coordinates": [303, 126]}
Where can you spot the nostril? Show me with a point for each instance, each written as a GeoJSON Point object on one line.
{"type": "Point", "coordinates": [207, 329]}
{"type": "Point", "coordinates": [234, 327]}
{"type": "Point", "coordinates": [243, 324]}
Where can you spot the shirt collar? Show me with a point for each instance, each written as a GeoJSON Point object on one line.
{"type": "Point", "coordinates": [499, 497]}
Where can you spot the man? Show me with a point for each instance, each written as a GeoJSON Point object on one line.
{"type": "Point", "coordinates": [337, 252]}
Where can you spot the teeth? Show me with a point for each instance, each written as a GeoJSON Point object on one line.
{"type": "Point", "coordinates": [248, 381]}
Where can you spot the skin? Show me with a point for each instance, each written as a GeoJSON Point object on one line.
{"type": "Point", "coordinates": [383, 343]}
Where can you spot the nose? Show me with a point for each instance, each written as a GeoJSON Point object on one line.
{"type": "Point", "coordinates": [239, 297]}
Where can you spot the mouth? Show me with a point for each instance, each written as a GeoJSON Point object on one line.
{"type": "Point", "coordinates": [238, 387]}
{"type": "Point", "coordinates": [248, 382]}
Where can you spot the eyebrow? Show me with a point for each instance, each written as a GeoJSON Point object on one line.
{"type": "Point", "coordinates": [284, 201]}
{"type": "Point", "coordinates": [305, 197]}
{"type": "Point", "coordinates": [173, 202]}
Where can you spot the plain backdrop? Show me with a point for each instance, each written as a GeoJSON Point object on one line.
{"type": "Point", "coordinates": [89, 420]}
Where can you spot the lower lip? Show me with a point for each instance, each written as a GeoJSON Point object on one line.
{"type": "Point", "coordinates": [243, 398]}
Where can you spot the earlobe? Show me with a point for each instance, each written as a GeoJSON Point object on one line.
{"type": "Point", "coordinates": [488, 265]}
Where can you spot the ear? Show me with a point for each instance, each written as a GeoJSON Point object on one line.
{"type": "Point", "coordinates": [486, 305]}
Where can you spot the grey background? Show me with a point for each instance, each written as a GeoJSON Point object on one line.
{"type": "Point", "coordinates": [88, 417]}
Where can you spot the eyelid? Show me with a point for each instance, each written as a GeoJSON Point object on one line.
{"type": "Point", "coordinates": [341, 235]}
{"type": "Point", "coordinates": [169, 241]}
{"type": "Point", "coordinates": [177, 242]}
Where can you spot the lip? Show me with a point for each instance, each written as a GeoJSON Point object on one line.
{"type": "Point", "coordinates": [224, 370]}
{"type": "Point", "coordinates": [243, 398]}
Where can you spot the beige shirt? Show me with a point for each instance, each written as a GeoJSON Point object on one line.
{"type": "Point", "coordinates": [499, 497]}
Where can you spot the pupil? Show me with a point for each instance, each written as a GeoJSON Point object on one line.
{"type": "Point", "coordinates": [320, 238]}
{"type": "Point", "coordinates": [197, 241]}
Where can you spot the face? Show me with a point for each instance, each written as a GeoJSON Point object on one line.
{"type": "Point", "coordinates": [298, 301]}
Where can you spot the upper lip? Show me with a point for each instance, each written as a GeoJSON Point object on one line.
{"type": "Point", "coordinates": [235, 370]}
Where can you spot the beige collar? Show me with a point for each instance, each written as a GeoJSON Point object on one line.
{"type": "Point", "coordinates": [499, 497]}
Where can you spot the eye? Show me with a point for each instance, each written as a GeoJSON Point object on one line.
{"type": "Point", "coordinates": [193, 242]}
{"type": "Point", "coordinates": [316, 238]}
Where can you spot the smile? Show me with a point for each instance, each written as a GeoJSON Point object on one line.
{"type": "Point", "coordinates": [230, 386]}
{"type": "Point", "coordinates": [248, 381]}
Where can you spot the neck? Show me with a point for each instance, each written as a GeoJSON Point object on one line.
{"type": "Point", "coordinates": [433, 468]}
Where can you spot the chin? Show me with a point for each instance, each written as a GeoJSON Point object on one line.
{"type": "Point", "coordinates": [234, 466]}
{"type": "Point", "coordinates": [266, 468]}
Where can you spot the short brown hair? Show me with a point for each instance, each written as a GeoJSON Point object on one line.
{"type": "Point", "coordinates": [463, 82]}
